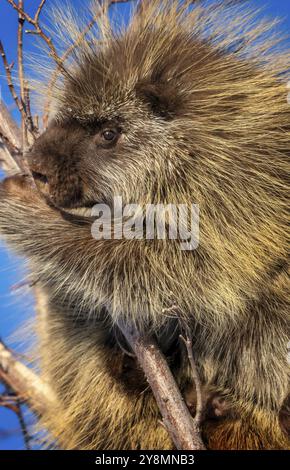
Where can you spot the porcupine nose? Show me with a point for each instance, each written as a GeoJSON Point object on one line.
{"type": "Point", "coordinates": [53, 162]}
{"type": "Point", "coordinates": [41, 181]}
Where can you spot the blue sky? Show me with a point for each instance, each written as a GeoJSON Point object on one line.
{"type": "Point", "coordinates": [16, 308]}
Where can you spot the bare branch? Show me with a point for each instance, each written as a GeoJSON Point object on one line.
{"type": "Point", "coordinates": [23, 427]}
{"type": "Point", "coordinates": [13, 403]}
{"type": "Point", "coordinates": [31, 31]}
{"type": "Point", "coordinates": [10, 142]}
{"type": "Point", "coordinates": [176, 417]}
{"type": "Point", "coordinates": [38, 11]}
{"type": "Point", "coordinates": [10, 154]}
{"type": "Point", "coordinates": [199, 402]}
{"type": "Point", "coordinates": [9, 126]}
{"type": "Point", "coordinates": [32, 126]}
{"type": "Point", "coordinates": [39, 30]}
{"type": "Point", "coordinates": [21, 21]}
{"type": "Point", "coordinates": [19, 101]}
{"type": "Point", "coordinates": [9, 401]}
{"type": "Point", "coordinates": [21, 12]}
{"type": "Point", "coordinates": [24, 382]}
{"type": "Point", "coordinates": [10, 84]}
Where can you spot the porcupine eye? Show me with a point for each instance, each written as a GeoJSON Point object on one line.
{"type": "Point", "coordinates": [110, 135]}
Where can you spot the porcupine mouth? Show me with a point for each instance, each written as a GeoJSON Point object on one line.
{"type": "Point", "coordinates": [77, 209]}
{"type": "Point", "coordinates": [83, 211]}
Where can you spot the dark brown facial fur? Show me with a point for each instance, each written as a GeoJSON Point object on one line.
{"type": "Point", "coordinates": [58, 160]}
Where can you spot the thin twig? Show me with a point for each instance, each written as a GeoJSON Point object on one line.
{"type": "Point", "coordinates": [9, 401]}
{"type": "Point", "coordinates": [21, 21]}
{"type": "Point", "coordinates": [19, 10]}
{"type": "Point", "coordinates": [19, 101]}
{"type": "Point", "coordinates": [12, 402]}
{"type": "Point", "coordinates": [10, 80]}
{"type": "Point", "coordinates": [33, 129]}
{"type": "Point", "coordinates": [38, 11]}
{"type": "Point", "coordinates": [39, 30]}
{"type": "Point", "coordinates": [196, 379]}
{"type": "Point", "coordinates": [176, 417]}
{"type": "Point", "coordinates": [23, 427]}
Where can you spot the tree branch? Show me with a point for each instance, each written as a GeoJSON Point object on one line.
{"type": "Point", "coordinates": [38, 29]}
{"type": "Point", "coordinates": [24, 382]}
{"type": "Point", "coordinates": [38, 11]}
{"type": "Point", "coordinates": [179, 423]}
{"type": "Point", "coordinates": [23, 426]}
{"type": "Point", "coordinates": [32, 127]}
{"type": "Point", "coordinates": [11, 142]}
{"type": "Point", "coordinates": [10, 84]}
{"type": "Point", "coordinates": [11, 156]}
{"type": "Point", "coordinates": [21, 21]}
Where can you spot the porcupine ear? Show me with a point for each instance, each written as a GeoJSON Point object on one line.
{"type": "Point", "coordinates": [162, 98]}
